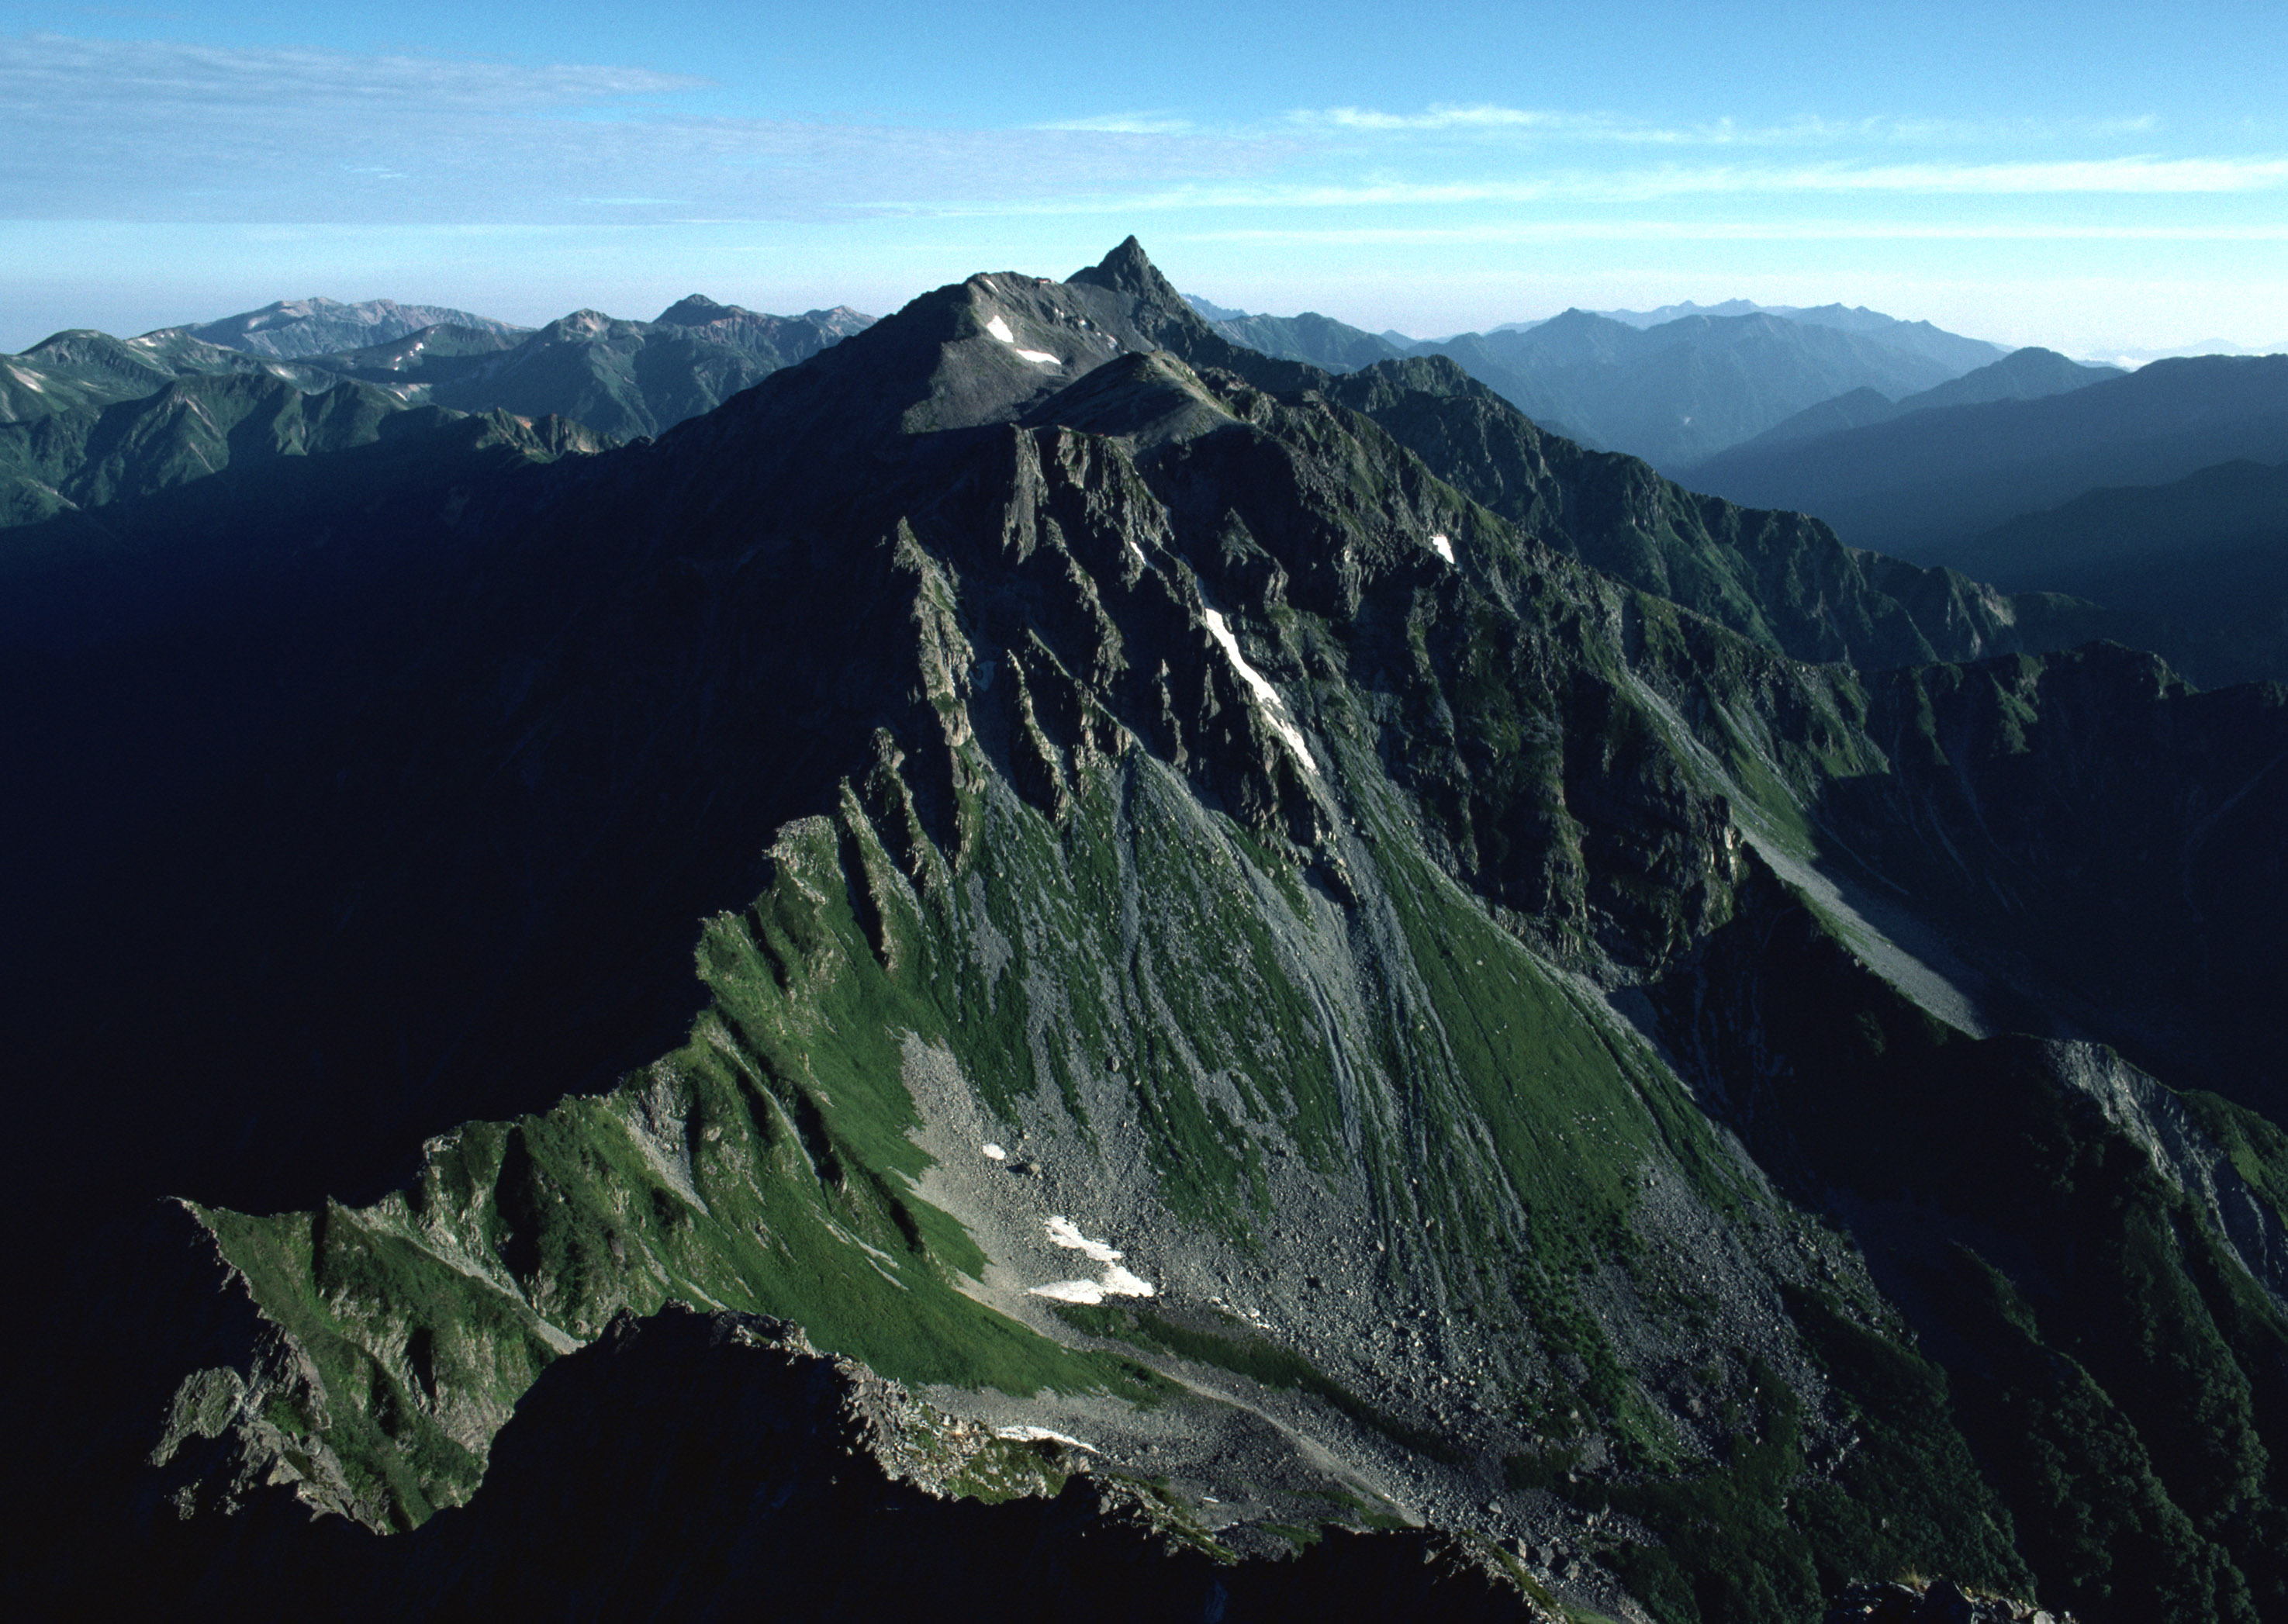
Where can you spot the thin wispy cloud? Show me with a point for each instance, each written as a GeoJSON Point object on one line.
{"type": "Point", "coordinates": [2144, 176]}
{"type": "Point", "coordinates": [105, 130]}
{"type": "Point", "coordinates": [1479, 117]}
{"type": "Point", "coordinates": [55, 75]}
{"type": "Point", "coordinates": [2140, 175]}
{"type": "Point", "coordinates": [1729, 231]}
{"type": "Point", "coordinates": [1494, 120]}
{"type": "Point", "coordinates": [157, 131]}
{"type": "Point", "coordinates": [1125, 124]}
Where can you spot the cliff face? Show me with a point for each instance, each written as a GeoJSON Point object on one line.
{"type": "Point", "coordinates": [1224, 936]}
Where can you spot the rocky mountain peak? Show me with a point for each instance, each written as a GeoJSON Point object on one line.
{"type": "Point", "coordinates": [1162, 315]}
{"type": "Point", "coordinates": [1129, 269]}
{"type": "Point", "coordinates": [579, 324]}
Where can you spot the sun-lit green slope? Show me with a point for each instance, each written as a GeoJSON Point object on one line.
{"type": "Point", "coordinates": [768, 1164]}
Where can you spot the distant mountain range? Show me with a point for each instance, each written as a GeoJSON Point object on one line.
{"type": "Point", "coordinates": [192, 428]}
{"type": "Point", "coordinates": [1923, 484]}
{"type": "Point", "coordinates": [622, 379]}
{"type": "Point", "coordinates": [1675, 393]}
{"type": "Point", "coordinates": [295, 327]}
{"type": "Point", "coordinates": [1672, 385]}
{"type": "Point", "coordinates": [87, 420]}
{"type": "Point", "coordinates": [2022, 375]}
{"type": "Point", "coordinates": [2194, 565]}
{"type": "Point", "coordinates": [1923, 338]}
{"type": "Point", "coordinates": [81, 369]}
{"type": "Point", "coordinates": [2134, 356]}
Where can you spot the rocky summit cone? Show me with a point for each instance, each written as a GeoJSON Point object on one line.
{"type": "Point", "coordinates": [1046, 943]}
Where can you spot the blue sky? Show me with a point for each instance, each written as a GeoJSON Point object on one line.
{"type": "Point", "coordinates": [2090, 177]}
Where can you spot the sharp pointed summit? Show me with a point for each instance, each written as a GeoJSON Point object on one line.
{"type": "Point", "coordinates": [1129, 269]}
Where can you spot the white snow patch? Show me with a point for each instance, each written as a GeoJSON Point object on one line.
{"type": "Point", "coordinates": [1041, 1435]}
{"type": "Point", "coordinates": [1087, 1292]}
{"type": "Point", "coordinates": [1066, 1233]}
{"type": "Point", "coordinates": [1439, 545]}
{"type": "Point", "coordinates": [1119, 1283]}
{"type": "Point", "coordinates": [992, 1152]}
{"type": "Point", "coordinates": [28, 380]}
{"type": "Point", "coordinates": [1261, 686]}
{"type": "Point", "coordinates": [999, 328]}
{"type": "Point", "coordinates": [1139, 551]}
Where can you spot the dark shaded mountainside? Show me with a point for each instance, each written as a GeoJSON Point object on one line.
{"type": "Point", "coordinates": [1923, 486]}
{"type": "Point", "coordinates": [1277, 955]}
{"type": "Point", "coordinates": [2199, 567]}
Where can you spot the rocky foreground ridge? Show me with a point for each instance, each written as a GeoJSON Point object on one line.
{"type": "Point", "coordinates": [1372, 969]}
{"type": "Point", "coordinates": [765, 1458]}
{"type": "Point", "coordinates": [1942, 1601]}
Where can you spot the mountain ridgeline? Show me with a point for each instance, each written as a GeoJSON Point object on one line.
{"type": "Point", "coordinates": [1304, 989]}
{"type": "Point", "coordinates": [293, 330]}
{"type": "Point", "coordinates": [622, 379]}
{"type": "Point", "coordinates": [2022, 375]}
{"type": "Point", "coordinates": [1673, 386]}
